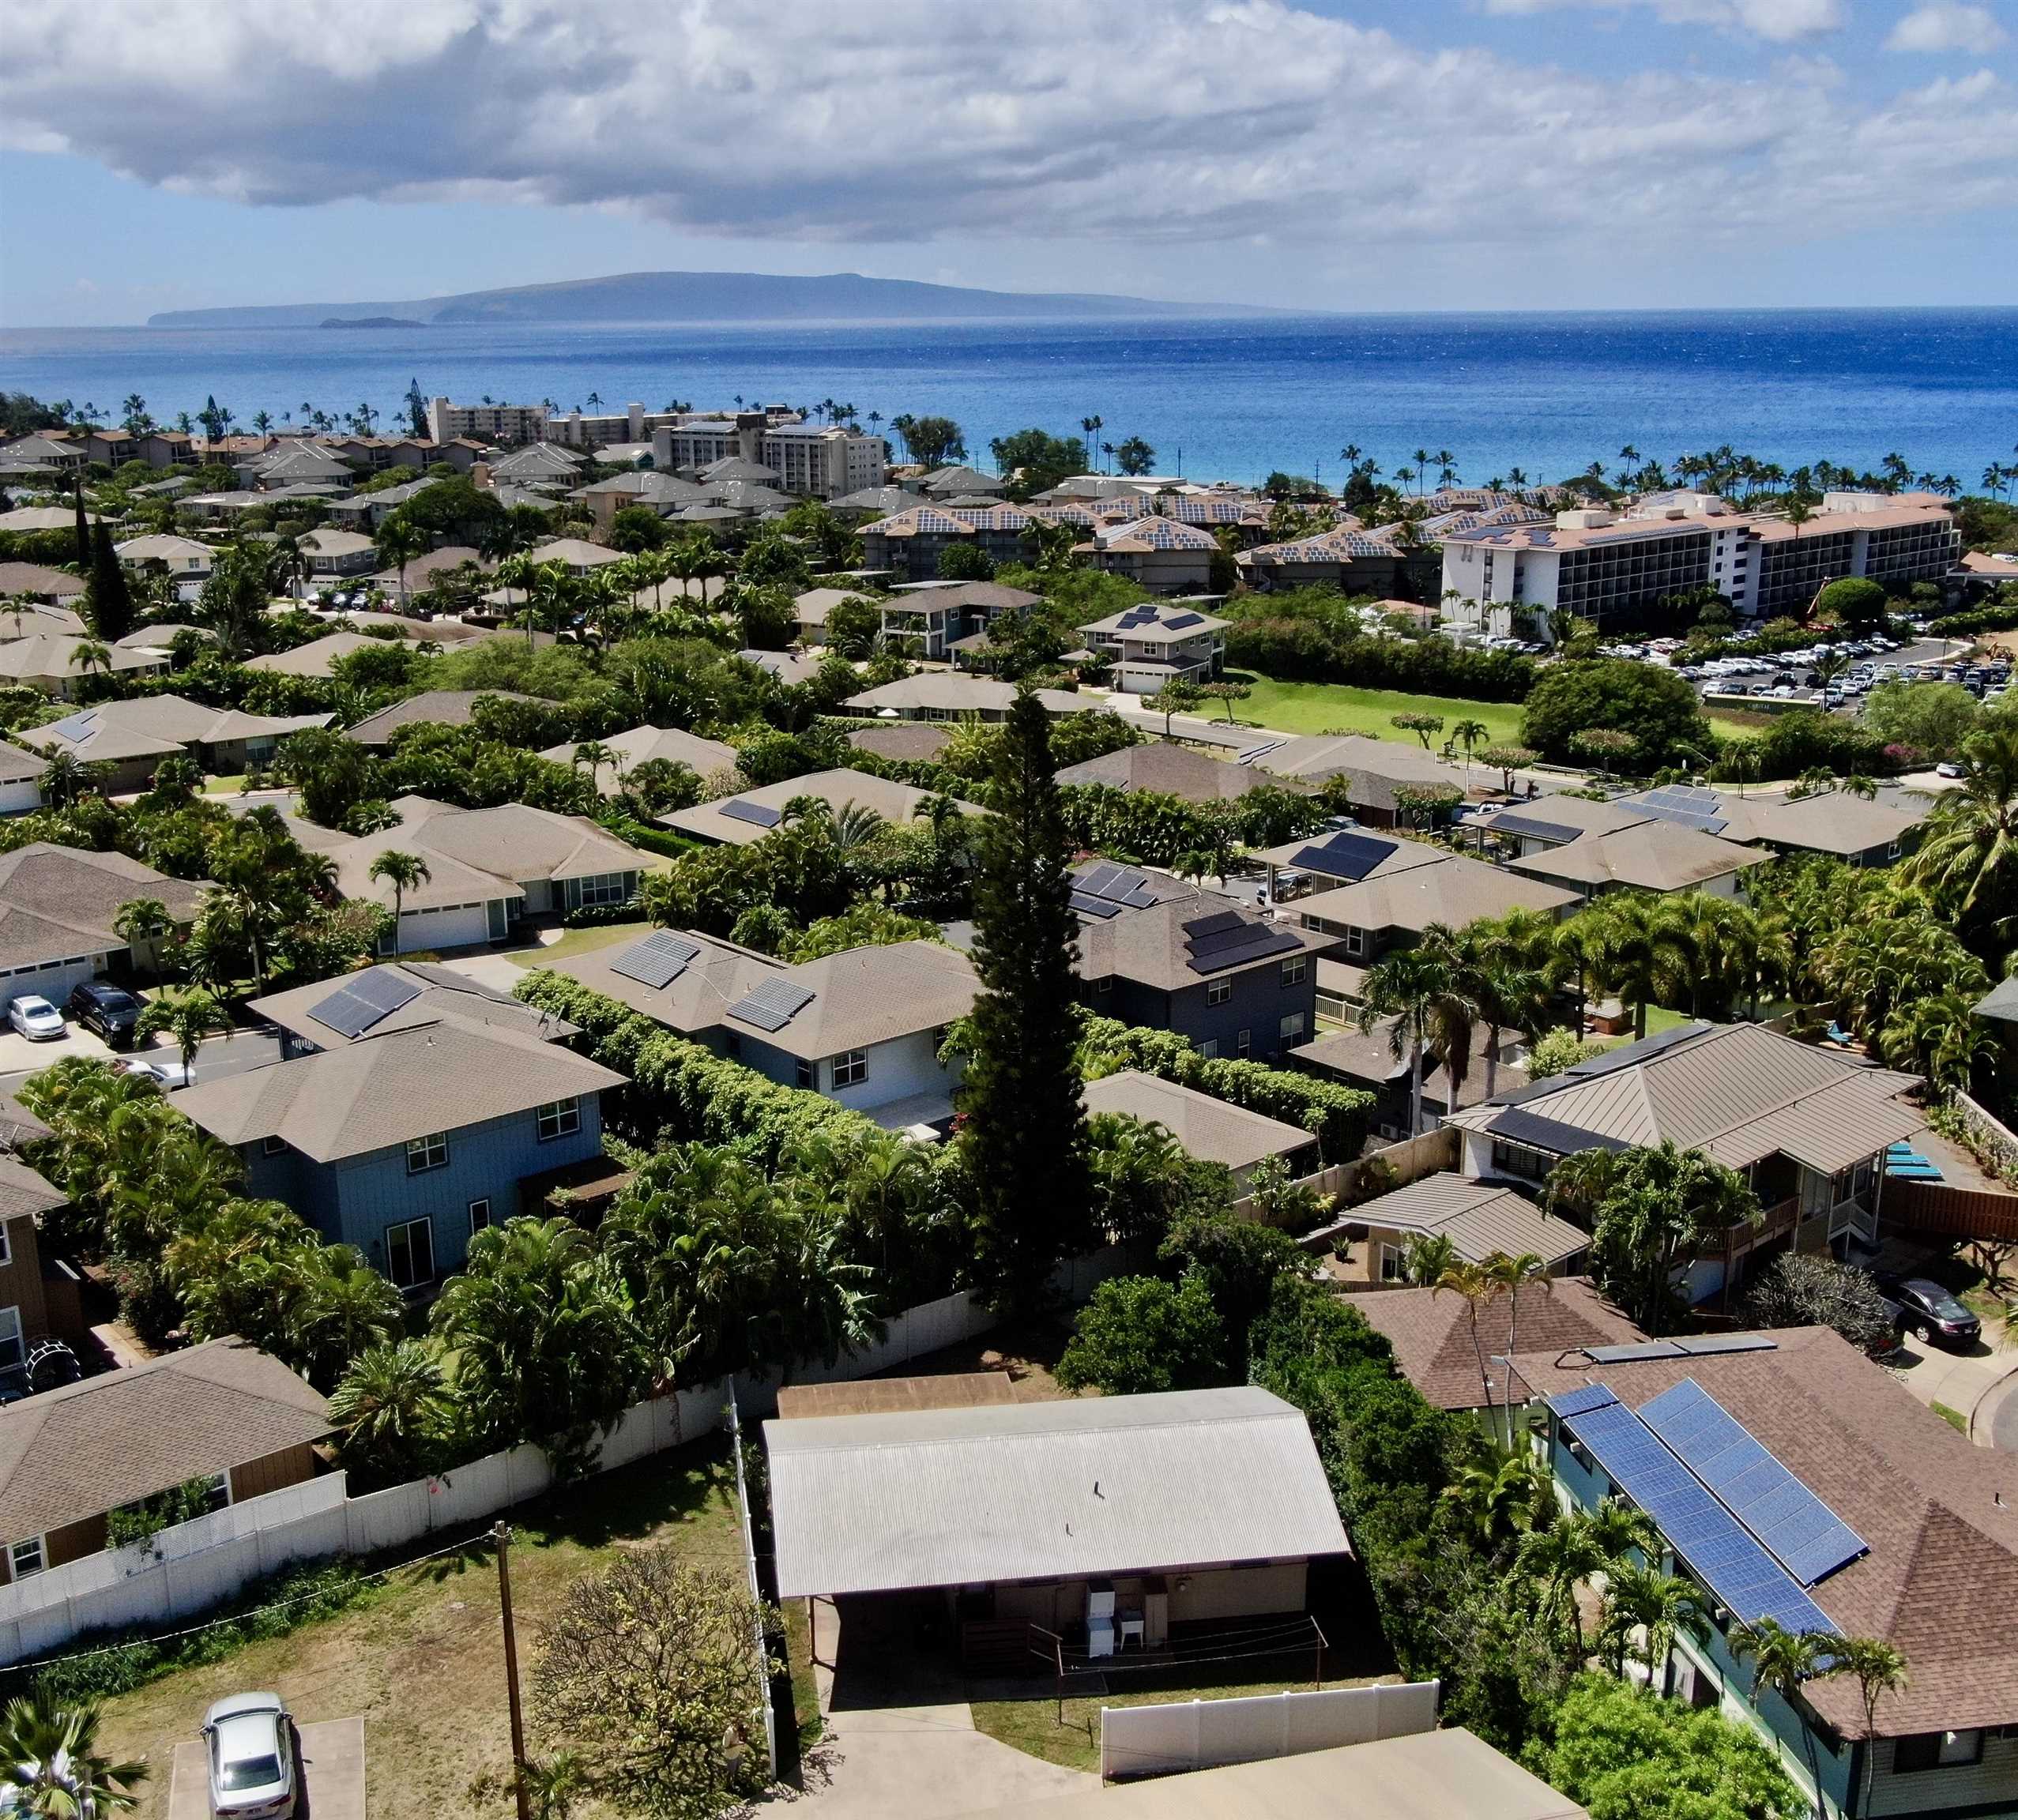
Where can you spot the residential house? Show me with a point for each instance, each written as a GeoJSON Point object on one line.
{"type": "Point", "coordinates": [792, 669]}
{"type": "Point", "coordinates": [1480, 1219]}
{"type": "Point", "coordinates": [1212, 1131]}
{"type": "Point", "coordinates": [432, 707]}
{"type": "Point", "coordinates": [1862, 832]}
{"type": "Point", "coordinates": [810, 609]}
{"type": "Point", "coordinates": [330, 554]}
{"type": "Point", "coordinates": [185, 561]}
{"type": "Point", "coordinates": [394, 995]}
{"type": "Point", "coordinates": [913, 742]}
{"type": "Point", "coordinates": [32, 618]}
{"type": "Point", "coordinates": [1349, 557]}
{"type": "Point", "coordinates": [943, 695]}
{"type": "Point", "coordinates": [36, 582]}
{"type": "Point", "coordinates": [223, 1413]}
{"type": "Point", "coordinates": [576, 555]}
{"type": "Point", "coordinates": [1656, 856]}
{"type": "Point", "coordinates": [1373, 1061]}
{"type": "Point", "coordinates": [1162, 954]}
{"type": "Point", "coordinates": [20, 781]}
{"type": "Point", "coordinates": [25, 521]}
{"type": "Point", "coordinates": [1165, 768]}
{"type": "Point", "coordinates": [424, 573]}
{"type": "Point", "coordinates": [488, 870]}
{"type": "Point", "coordinates": [56, 662]}
{"type": "Point", "coordinates": [1158, 642]}
{"type": "Point", "coordinates": [1430, 1330]}
{"type": "Point", "coordinates": [1136, 1515]}
{"type": "Point", "coordinates": [948, 618]}
{"type": "Point", "coordinates": [406, 1142]}
{"type": "Point", "coordinates": [1541, 824]}
{"type": "Point", "coordinates": [319, 657]}
{"type": "Point", "coordinates": [910, 542]}
{"type": "Point", "coordinates": [863, 1028]}
{"type": "Point", "coordinates": [1789, 1476]}
{"type": "Point", "coordinates": [42, 449]}
{"type": "Point", "coordinates": [737, 821]}
{"type": "Point", "coordinates": [1806, 1127]}
{"type": "Point", "coordinates": [1163, 554]}
{"type": "Point", "coordinates": [643, 745]}
{"type": "Point", "coordinates": [37, 1299]}
{"type": "Point", "coordinates": [1377, 772]}
{"type": "Point", "coordinates": [134, 735]}
{"type": "Point", "coordinates": [1374, 891]}
{"type": "Point", "coordinates": [57, 907]}
{"type": "Point", "coordinates": [959, 481]}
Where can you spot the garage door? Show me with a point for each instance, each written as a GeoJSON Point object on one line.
{"type": "Point", "coordinates": [52, 982]}
{"type": "Point", "coordinates": [459, 926]}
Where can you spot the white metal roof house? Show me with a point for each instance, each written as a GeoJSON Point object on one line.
{"type": "Point", "coordinates": [1188, 1506]}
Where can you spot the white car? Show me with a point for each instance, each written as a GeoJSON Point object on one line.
{"type": "Point", "coordinates": [249, 1739]}
{"type": "Point", "coordinates": [36, 1019]}
{"type": "Point", "coordinates": [164, 1071]}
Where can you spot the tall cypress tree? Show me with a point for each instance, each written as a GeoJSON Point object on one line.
{"type": "Point", "coordinates": [106, 596]}
{"type": "Point", "coordinates": [1024, 1135]}
{"type": "Point", "coordinates": [84, 531]}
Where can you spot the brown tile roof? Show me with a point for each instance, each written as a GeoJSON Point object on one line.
{"type": "Point", "coordinates": [1431, 1332]}
{"type": "Point", "coordinates": [108, 1441]}
{"type": "Point", "coordinates": [23, 1193]}
{"type": "Point", "coordinates": [1941, 1580]}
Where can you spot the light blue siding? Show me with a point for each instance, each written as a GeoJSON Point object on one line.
{"type": "Point", "coordinates": [354, 1202]}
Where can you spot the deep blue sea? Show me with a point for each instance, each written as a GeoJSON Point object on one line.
{"type": "Point", "coordinates": [1224, 399]}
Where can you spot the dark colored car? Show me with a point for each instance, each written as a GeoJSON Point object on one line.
{"type": "Point", "coordinates": [109, 1010]}
{"type": "Point", "coordinates": [1931, 1315]}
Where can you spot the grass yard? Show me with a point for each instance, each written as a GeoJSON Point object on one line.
{"type": "Point", "coordinates": [574, 942]}
{"type": "Point", "coordinates": [225, 786]}
{"type": "Point", "coordinates": [1315, 707]}
{"type": "Point", "coordinates": [422, 1657]}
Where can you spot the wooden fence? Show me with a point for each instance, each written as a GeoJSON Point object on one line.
{"type": "Point", "coordinates": [1939, 1209]}
{"type": "Point", "coordinates": [1348, 1184]}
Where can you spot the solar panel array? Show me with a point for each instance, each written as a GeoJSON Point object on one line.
{"type": "Point", "coordinates": [1106, 890]}
{"type": "Point", "coordinates": [1800, 1531]}
{"type": "Point", "coordinates": [1718, 1549]}
{"type": "Point", "coordinates": [1687, 805]}
{"type": "Point", "coordinates": [1227, 940]}
{"type": "Point", "coordinates": [1183, 620]}
{"type": "Point", "coordinates": [363, 1000]}
{"type": "Point", "coordinates": [1344, 855]}
{"type": "Point", "coordinates": [1700, 1346]}
{"type": "Point", "coordinates": [77, 727]}
{"type": "Point", "coordinates": [657, 961]}
{"type": "Point", "coordinates": [1535, 829]}
{"type": "Point", "coordinates": [762, 815]}
{"type": "Point", "coordinates": [773, 1004]}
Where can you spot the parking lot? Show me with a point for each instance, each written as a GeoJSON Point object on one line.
{"type": "Point", "coordinates": [1789, 679]}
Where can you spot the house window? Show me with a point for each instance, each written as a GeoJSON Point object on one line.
{"type": "Point", "coordinates": [7, 1246]}
{"type": "Point", "coordinates": [608, 888]}
{"type": "Point", "coordinates": [272, 1146]}
{"type": "Point", "coordinates": [12, 1350]}
{"type": "Point", "coordinates": [1391, 1264]}
{"type": "Point", "coordinates": [1292, 1028]}
{"type": "Point", "coordinates": [1244, 1044]}
{"type": "Point", "coordinates": [807, 1076]}
{"type": "Point", "coordinates": [1209, 1050]}
{"type": "Point", "coordinates": [1294, 970]}
{"type": "Point", "coordinates": [559, 1119]}
{"type": "Point", "coordinates": [1218, 991]}
{"type": "Point", "coordinates": [216, 1491]}
{"type": "Point", "coordinates": [1103, 986]}
{"type": "Point", "coordinates": [410, 1254]}
{"type": "Point", "coordinates": [1355, 941]}
{"type": "Point", "coordinates": [426, 1154]}
{"type": "Point", "coordinates": [480, 1216]}
{"type": "Point", "coordinates": [1936, 1751]}
{"type": "Point", "coordinates": [28, 1558]}
{"type": "Point", "coordinates": [851, 1069]}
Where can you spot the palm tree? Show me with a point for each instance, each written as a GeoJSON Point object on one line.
{"type": "Point", "coordinates": [1426, 1256]}
{"type": "Point", "coordinates": [1629, 948]}
{"type": "Point", "coordinates": [1654, 1604]}
{"type": "Point", "coordinates": [1467, 734]}
{"type": "Point", "coordinates": [91, 655]}
{"type": "Point", "coordinates": [1782, 1660]}
{"type": "Point", "coordinates": [1968, 854]}
{"type": "Point", "coordinates": [1502, 1500]}
{"type": "Point", "coordinates": [51, 1768]}
{"type": "Point", "coordinates": [63, 778]}
{"type": "Point", "coordinates": [145, 922]}
{"type": "Point", "coordinates": [1463, 1277]}
{"type": "Point", "coordinates": [1880, 1669]}
{"type": "Point", "coordinates": [405, 872]}
{"type": "Point", "coordinates": [1513, 1275]}
{"type": "Point", "coordinates": [399, 540]}
{"type": "Point", "coordinates": [188, 1017]}
{"type": "Point", "coordinates": [1423, 991]}
{"type": "Point", "coordinates": [593, 754]}
{"type": "Point", "coordinates": [391, 1407]}
{"type": "Point", "coordinates": [1562, 1557]}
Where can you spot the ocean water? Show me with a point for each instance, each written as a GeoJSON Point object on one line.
{"type": "Point", "coordinates": [1229, 399]}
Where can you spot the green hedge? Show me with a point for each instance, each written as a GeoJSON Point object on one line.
{"type": "Point", "coordinates": [1337, 1116]}
{"type": "Point", "coordinates": [1981, 619]}
{"type": "Point", "coordinates": [682, 1091]}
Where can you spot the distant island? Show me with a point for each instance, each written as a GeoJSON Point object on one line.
{"type": "Point", "coordinates": [733, 297]}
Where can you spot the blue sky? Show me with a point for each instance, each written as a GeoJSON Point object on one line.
{"type": "Point", "coordinates": [1466, 154]}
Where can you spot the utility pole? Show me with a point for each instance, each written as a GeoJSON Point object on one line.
{"type": "Point", "coordinates": [502, 1535]}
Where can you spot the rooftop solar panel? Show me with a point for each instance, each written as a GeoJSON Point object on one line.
{"type": "Point", "coordinates": [773, 1004]}
{"type": "Point", "coordinates": [1216, 960]}
{"type": "Point", "coordinates": [363, 1000]}
{"type": "Point", "coordinates": [1215, 924]}
{"type": "Point", "coordinates": [1576, 1402]}
{"type": "Point", "coordinates": [1183, 620]}
{"type": "Point", "coordinates": [1632, 1055]}
{"type": "Point", "coordinates": [1519, 1125]}
{"type": "Point", "coordinates": [76, 727]}
{"type": "Point", "coordinates": [1633, 1352]}
{"type": "Point", "coordinates": [1534, 829]}
{"type": "Point", "coordinates": [1344, 855]}
{"type": "Point", "coordinates": [1700, 1345]}
{"type": "Point", "coordinates": [1703, 1535]}
{"type": "Point", "coordinates": [1088, 905]}
{"type": "Point", "coordinates": [657, 961]}
{"type": "Point", "coordinates": [761, 814]}
{"type": "Point", "coordinates": [1801, 1532]}
{"type": "Point", "coordinates": [1142, 896]}
{"type": "Point", "coordinates": [1095, 880]}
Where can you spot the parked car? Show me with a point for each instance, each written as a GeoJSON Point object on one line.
{"type": "Point", "coordinates": [110, 1010]}
{"type": "Point", "coordinates": [1931, 1314]}
{"type": "Point", "coordinates": [165, 1071]}
{"type": "Point", "coordinates": [36, 1018]}
{"type": "Point", "coordinates": [249, 1739]}
{"type": "Point", "coordinates": [1948, 767]}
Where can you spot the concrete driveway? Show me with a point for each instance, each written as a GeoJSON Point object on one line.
{"type": "Point", "coordinates": [332, 1763]}
{"type": "Point", "coordinates": [901, 1744]}
{"type": "Point", "coordinates": [19, 1056]}
{"type": "Point", "coordinates": [1980, 1386]}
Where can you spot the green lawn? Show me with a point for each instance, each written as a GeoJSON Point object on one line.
{"type": "Point", "coordinates": [225, 786]}
{"type": "Point", "coordinates": [574, 942]}
{"type": "Point", "coordinates": [1317, 707]}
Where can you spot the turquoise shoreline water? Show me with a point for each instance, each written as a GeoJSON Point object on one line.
{"type": "Point", "coordinates": [1228, 399]}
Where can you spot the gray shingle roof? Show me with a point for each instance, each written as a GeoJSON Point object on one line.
{"type": "Point", "coordinates": [58, 901]}
{"type": "Point", "coordinates": [1209, 1130]}
{"type": "Point", "coordinates": [643, 744]}
{"type": "Point", "coordinates": [450, 707]}
{"type": "Point", "coordinates": [92, 1446]}
{"type": "Point", "coordinates": [441, 989]}
{"type": "Point", "coordinates": [893, 801]}
{"type": "Point", "coordinates": [1068, 1491]}
{"type": "Point", "coordinates": [1168, 768]}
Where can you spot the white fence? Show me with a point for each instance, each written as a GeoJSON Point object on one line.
{"type": "Point", "coordinates": [195, 1565]}
{"type": "Point", "coordinates": [1202, 1734]}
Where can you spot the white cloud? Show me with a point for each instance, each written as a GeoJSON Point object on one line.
{"type": "Point", "coordinates": [1946, 25]}
{"type": "Point", "coordinates": [1165, 122]}
{"type": "Point", "coordinates": [1780, 21]}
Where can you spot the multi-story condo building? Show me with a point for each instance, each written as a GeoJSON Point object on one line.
{"type": "Point", "coordinates": [506, 423]}
{"type": "Point", "coordinates": [823, 461]}
{"type": "Point", "coordinates": [699, 441]}
{"type": "Point", "coordinates": [1618, 571]}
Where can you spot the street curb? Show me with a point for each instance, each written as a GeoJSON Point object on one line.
{"type": "Point", "coordinates": [1990, 1389]}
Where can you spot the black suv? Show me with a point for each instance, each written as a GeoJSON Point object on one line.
{"type": "Point", "coordinates": [109, 1009]}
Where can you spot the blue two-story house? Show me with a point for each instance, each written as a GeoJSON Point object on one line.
{"type": "Point", "coordinates": [1789, 1477]}
{"type": "Point", "coordinates": [404, 1141]}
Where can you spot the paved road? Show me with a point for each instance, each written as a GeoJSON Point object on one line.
{"type": "Point", "coordinates": [219, 1057]}
{"type": "Point", "coordinates": [1983, 1382]}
